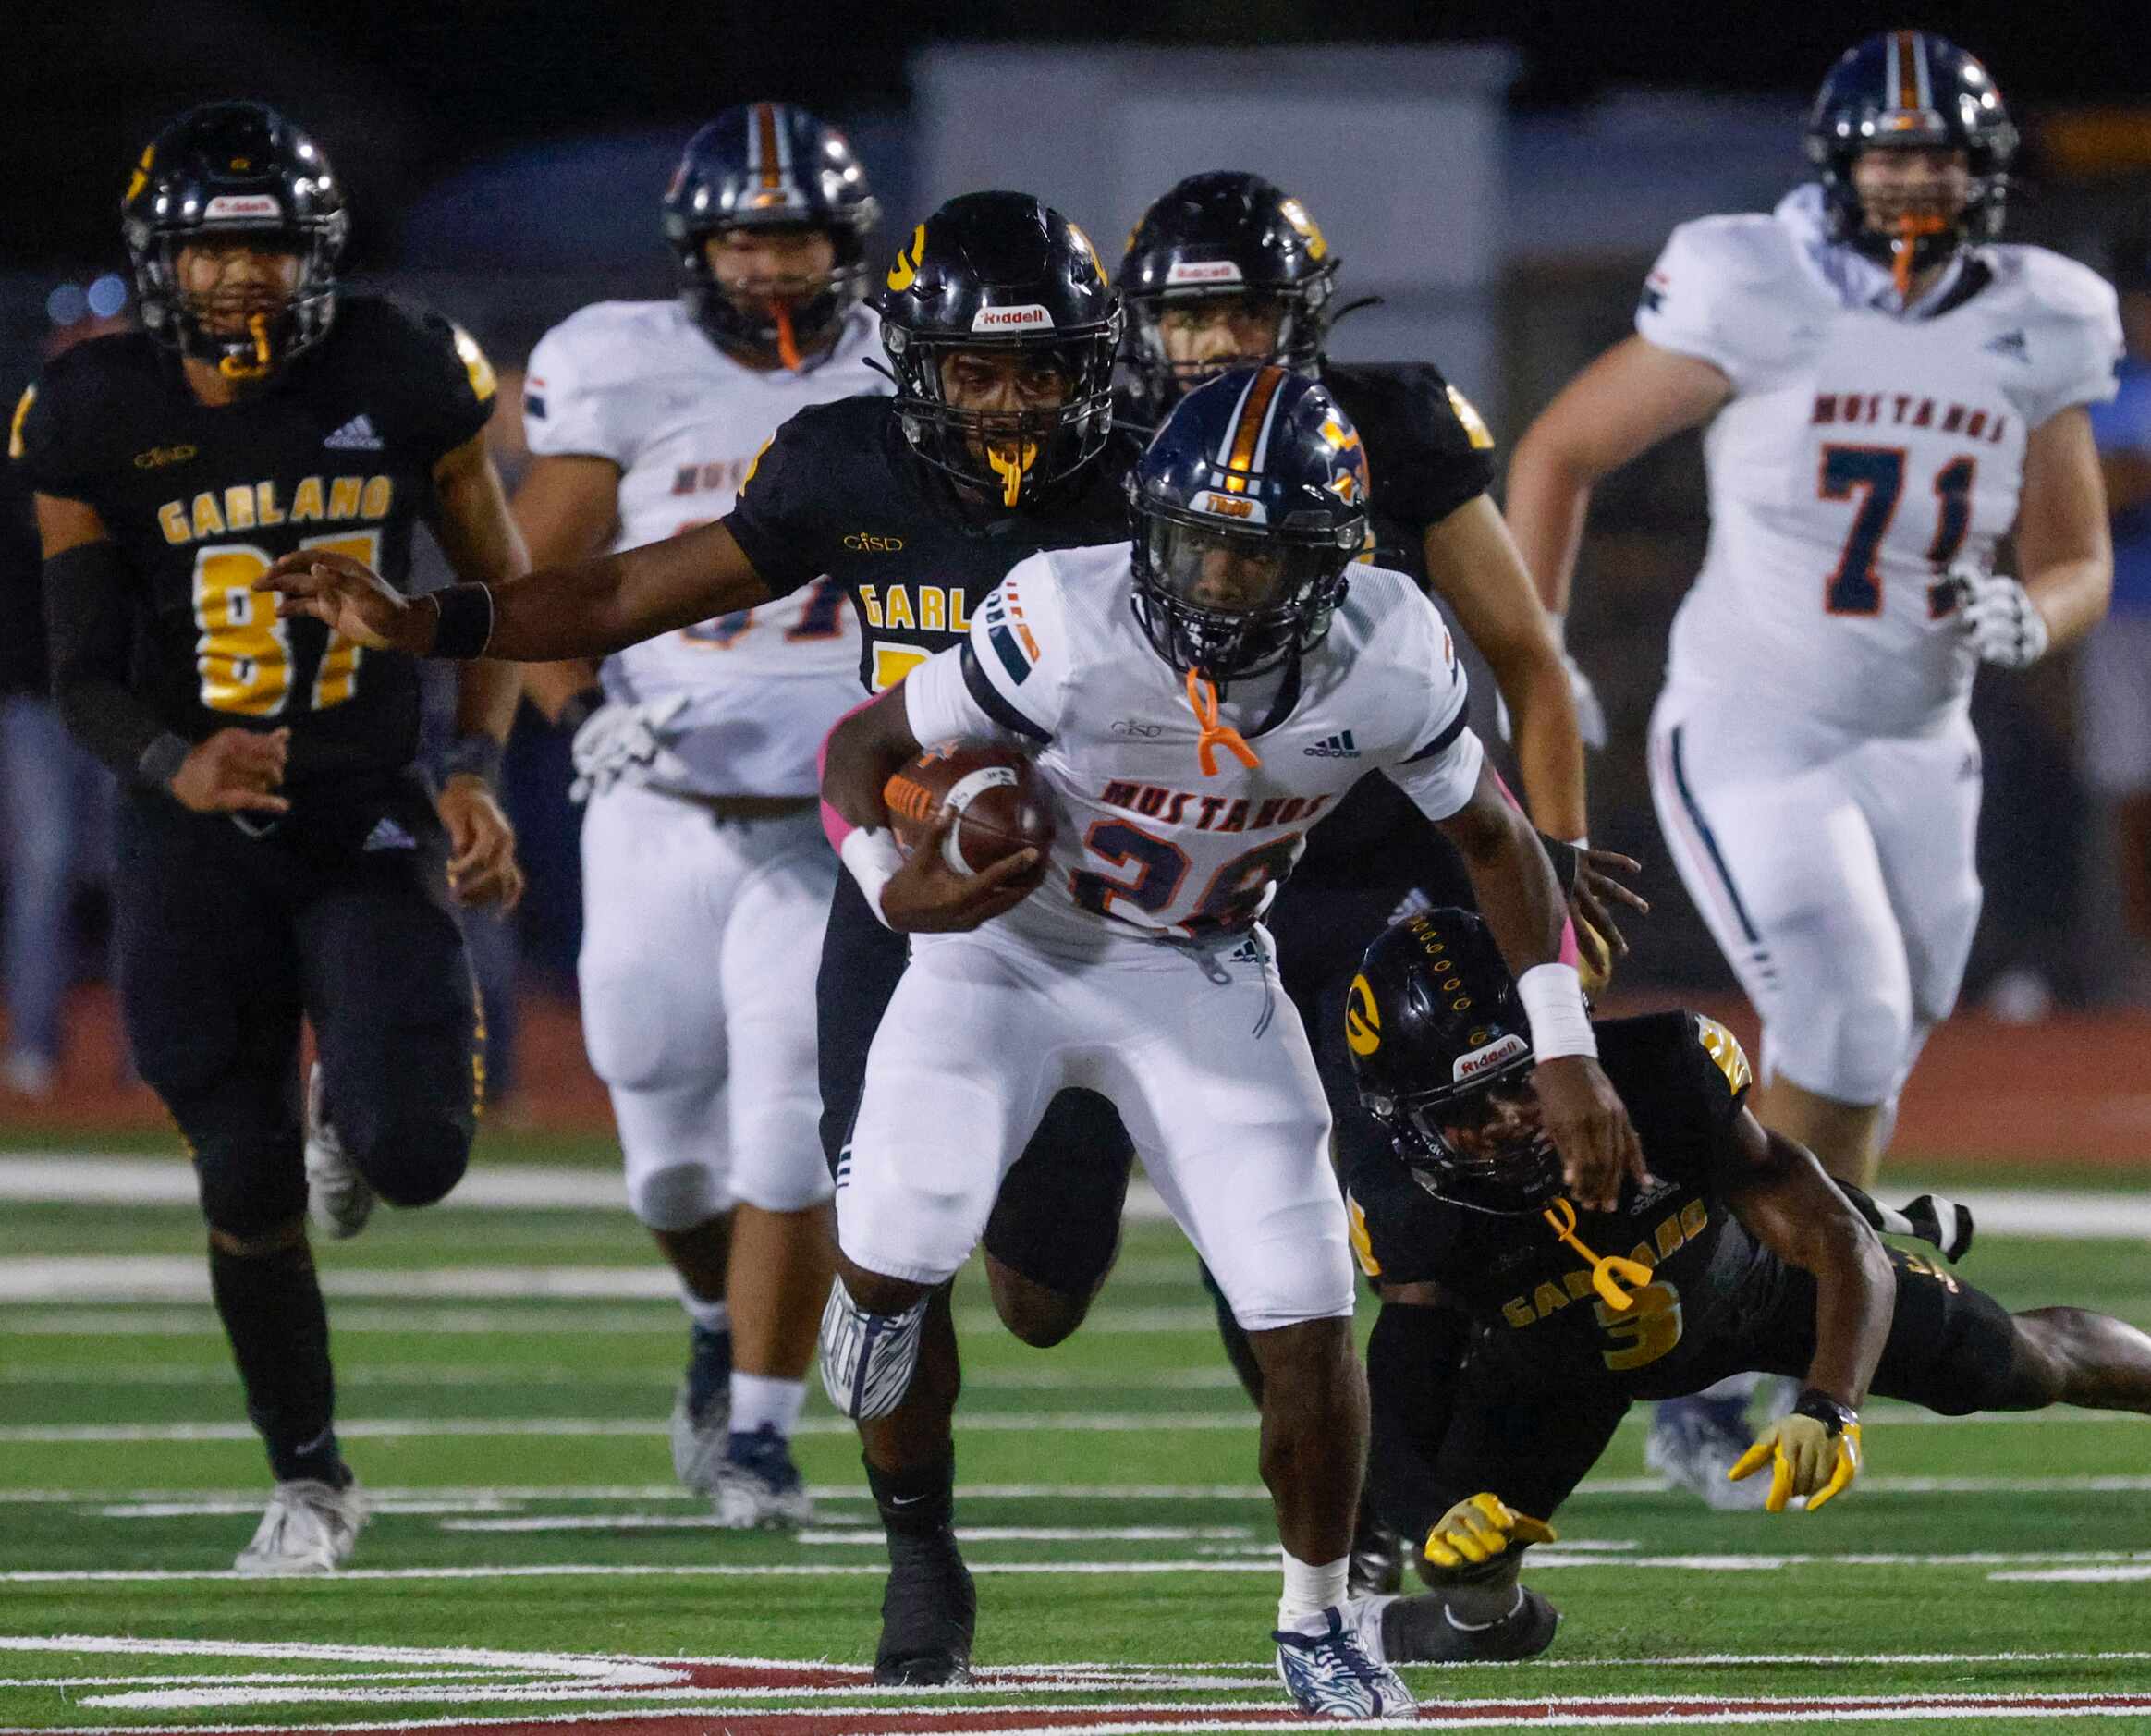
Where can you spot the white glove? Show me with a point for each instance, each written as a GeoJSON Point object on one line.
{"type": "Point", "coordinates": [1590, 714]}
{"type": "Point", "coordinates": [615, 737]}
{"type": "Point", "coordinates": [1997, 616]}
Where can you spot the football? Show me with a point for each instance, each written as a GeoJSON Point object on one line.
{"type": "Point", "coordinates": [1000, 802]}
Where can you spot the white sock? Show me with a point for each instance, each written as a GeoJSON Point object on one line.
{"type": "Point", "coordinates": [759, 1399]}
{"type": "Point", "coordinates": [1310, 1589]}
{"type": "Point", "coordinates": [712, 1316]}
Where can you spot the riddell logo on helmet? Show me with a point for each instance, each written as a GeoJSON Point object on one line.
{"type": "Point", "coordinates": [232, 205]}
{"type": "Point", "coordinates": [1495, 1054]}
{"type": "Point", "coordinates": [1185, 271]}
{"type": "Point", "coordinates": [1030, 317]}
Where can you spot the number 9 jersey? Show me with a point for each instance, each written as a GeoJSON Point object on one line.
{"type": "Point", "coordinates": [336, 453]}
{"type": "Point", "coordinates": [1863, 451]}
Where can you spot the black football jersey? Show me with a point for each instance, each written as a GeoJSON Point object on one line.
{"type": "Point", "coordinates": [338, 452]}
{"type": "Point", "coordinates": [1427, 454]}
{"type": "Point", "coordinates": [1684, 1079]}
{"type": "Point", "coordinates": [837, 491]}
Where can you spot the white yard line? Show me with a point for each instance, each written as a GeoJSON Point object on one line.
{"type": "Point", "coordinates": [1218, 1377]}
{"type": "Point", "coordinates": [1550, 1557]}
{"type": "Point", "coordinates": [91, 1178]}
{"type": "Point", "coordinates": [419, 1321]}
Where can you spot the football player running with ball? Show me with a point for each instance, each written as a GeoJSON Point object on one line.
{"type": "Point", "coordinates": [1552, 1315]}
{"type": "Point", "coordinates": [1139, 968]}
{"type": "Point", "coordinates": [279, 857]}
{"type": "Point", "coordinates": [705, 880]}
{"type": "Point", "coordinates": [1889, 395]}
{"type": "Point", "coordinates": [1000, 329]}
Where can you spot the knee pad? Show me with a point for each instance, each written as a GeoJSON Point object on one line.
{"type": "Point", "coordinates": [868, 1360]}
{"type": "Point", "coordinates": [1853, 1050]}
{"type": "Point", "coordinates": [414, 1161]}
{"type": "Point", "coordinates": [677, 1196]}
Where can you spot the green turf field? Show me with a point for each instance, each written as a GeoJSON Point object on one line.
{"type": "Point", "coordinates": [504, 1379]}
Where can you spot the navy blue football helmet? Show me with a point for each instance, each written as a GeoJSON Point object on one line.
{"type": "Point", "coordinates": [230, 169]}
{"type": "Point", "coordinates": [1227, 233]}
{"type": "Point", "coordinates": [770, 165]}
{"type": "Point", "coordinates": [1247, 506]}
{"type": "Point", "coordinates": [1915, 89]}
{"type": "Point", "coordinates": [1441, 1048]}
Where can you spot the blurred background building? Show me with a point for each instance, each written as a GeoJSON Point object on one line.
{"type": "Point", "coordinates": [1499, 177]}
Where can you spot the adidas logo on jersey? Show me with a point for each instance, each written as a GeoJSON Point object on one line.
{"type": "Point", "coordinates": [1336, 747]}
{"type": "Point", "coordinates": [387, 835]}
{"type": "Point", "coordinates": [356, 435]}
{"type": "Point", "coordinates": [2008, 343]}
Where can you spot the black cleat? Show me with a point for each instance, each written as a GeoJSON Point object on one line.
{"type": "Point", "coordinates": [928, 1613]}
{"type": "Point", "coordinates": [1426, 1630]}
{"type": "Point", "coordinates": [1377, 1556]}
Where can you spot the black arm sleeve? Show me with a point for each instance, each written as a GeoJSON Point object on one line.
{"type": "Point", "coordinates": [1414, 1356]}
{"type": "Point", "coordinates": [90, 632]}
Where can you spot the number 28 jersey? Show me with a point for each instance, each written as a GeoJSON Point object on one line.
{"type": "Point", "coordinates": [336, 453]}
{"type": "Point", "coordinates": [1148, 848]}
{"type": "Point", "coordinates": [1863, 451]}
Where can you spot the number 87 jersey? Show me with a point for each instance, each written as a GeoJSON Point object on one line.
{"type": "Point", "coordinates": [1863, 451]}
{"type": "Point", "coordinates": [1150, 847]}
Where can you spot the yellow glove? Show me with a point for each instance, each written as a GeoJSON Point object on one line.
{"type": "Point", "coordinates": [1805, 1459]}
{"type": "Point", "coordinates": [1478, 1529]}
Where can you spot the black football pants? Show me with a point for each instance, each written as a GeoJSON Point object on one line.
{"type": "Point", "coordinates": [1058, 1219]}
{"type": "Point", "coordinates": [340, 915]}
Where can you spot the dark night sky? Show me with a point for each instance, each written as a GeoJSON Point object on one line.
{"type": "Point", "coordinates": [406, 91]}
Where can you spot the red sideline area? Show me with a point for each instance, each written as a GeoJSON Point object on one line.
{"type": "Point", "coordinates": [2074, 1089]}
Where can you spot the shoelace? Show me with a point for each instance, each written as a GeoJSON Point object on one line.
{"type": "Point", "coordinates": [1335, 1656]}
{"type": "Point", "coordinates": [1608, 1271]}
{"type": "Point", "coordinates": [1203, 701]}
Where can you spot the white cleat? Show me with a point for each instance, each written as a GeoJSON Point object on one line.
{"type": "Point", "coordinates": [1693, 1443]}
{"type": "Point", "coordinates": [309, 1528]}
{"type": "Point", "coordinates": [759, 1488]}
{"type": "Point", "coordinates": [338, 1199]}
{"type": "Point", "coordinates": [1332, 1666]}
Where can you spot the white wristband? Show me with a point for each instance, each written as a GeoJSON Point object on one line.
{"type": "Point", "coordinates": [871, 856]}
{"type": "Point", "coordinates": [1553, 1001]}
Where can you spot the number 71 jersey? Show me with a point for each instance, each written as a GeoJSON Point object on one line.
{"type": "Point", "coordinates": [1862, 452]}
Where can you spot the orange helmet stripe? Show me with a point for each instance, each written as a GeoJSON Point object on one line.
{"type": "Point", "coordinates": [770, 152]}
{"type": "Point", "coordinates": [1254, 411]}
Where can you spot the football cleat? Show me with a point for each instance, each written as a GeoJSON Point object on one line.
{"type": "Point", "coordinates": [309, 1528]}
{"type": "Point", "coordinates": [1377, 1556]}
{"type": "Point", "coordinates": [1425, 1628]}
{"type": "Point", "coordinates": [338, 1199]}
{"type": "Point", "coordinates": [1336, 1669]}
{"type": "Point", "coordinates": [1694, 1443]}
{"type": "Point", "coordinates": [929, 1611]}
{"type": "Point", "coordinates": [759, 1488]}
{"type": "Point", "coordinates": [702, 1410]}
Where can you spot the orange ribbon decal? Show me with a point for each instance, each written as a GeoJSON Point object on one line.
{"type": "Point", "coordinates": [1203, 701]}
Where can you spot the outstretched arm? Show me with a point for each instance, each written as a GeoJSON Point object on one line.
{"type": "Point", "coordinates": [587, 609]}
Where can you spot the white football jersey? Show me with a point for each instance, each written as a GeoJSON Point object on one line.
{"type": "Point", "coordinates": [1148, 848]}
{"type": "Point", "coordinates": [1863, 451]}
{"type": "Point", "coordinates": [640, 383]}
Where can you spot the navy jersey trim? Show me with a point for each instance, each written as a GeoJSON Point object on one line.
{"type": "Point", "coordinates": [1440, 742]}
{"type": "Point", "coordinates": [990, 701]}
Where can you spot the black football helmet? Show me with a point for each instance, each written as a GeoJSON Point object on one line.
{"type": "Point", "coordinates": [1910, 89]}
{"type": "Point", "coordinates": [1224, 234]}
{"type": "Point", "coordinates": [226, 169]}
{"type": "Point", "coordinates": [1438, 1035]}
{"type": "Point", "coordinates": [1001, 271]}
{"type": "Point", "coordinates": [1259, 463]}
{"type": "Point", "coordinates": [770, 165]}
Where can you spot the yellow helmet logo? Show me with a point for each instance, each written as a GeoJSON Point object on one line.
{"type": "Point", "coordinates": [1362, 1022]}
{"type": "Point", "coordinates": [905, 272]}
{"type": "Point", "coordinates": [141, 173]}
{"type": "Point", "coordinates": [1296, 215]}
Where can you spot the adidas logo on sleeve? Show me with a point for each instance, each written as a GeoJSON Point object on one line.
{"type": "Point", "coordinates": [356, 435]}
{"type": "Point", "coordinates": [1336, 747]}
{"type": "Point", "coordinates": [387, 835]}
